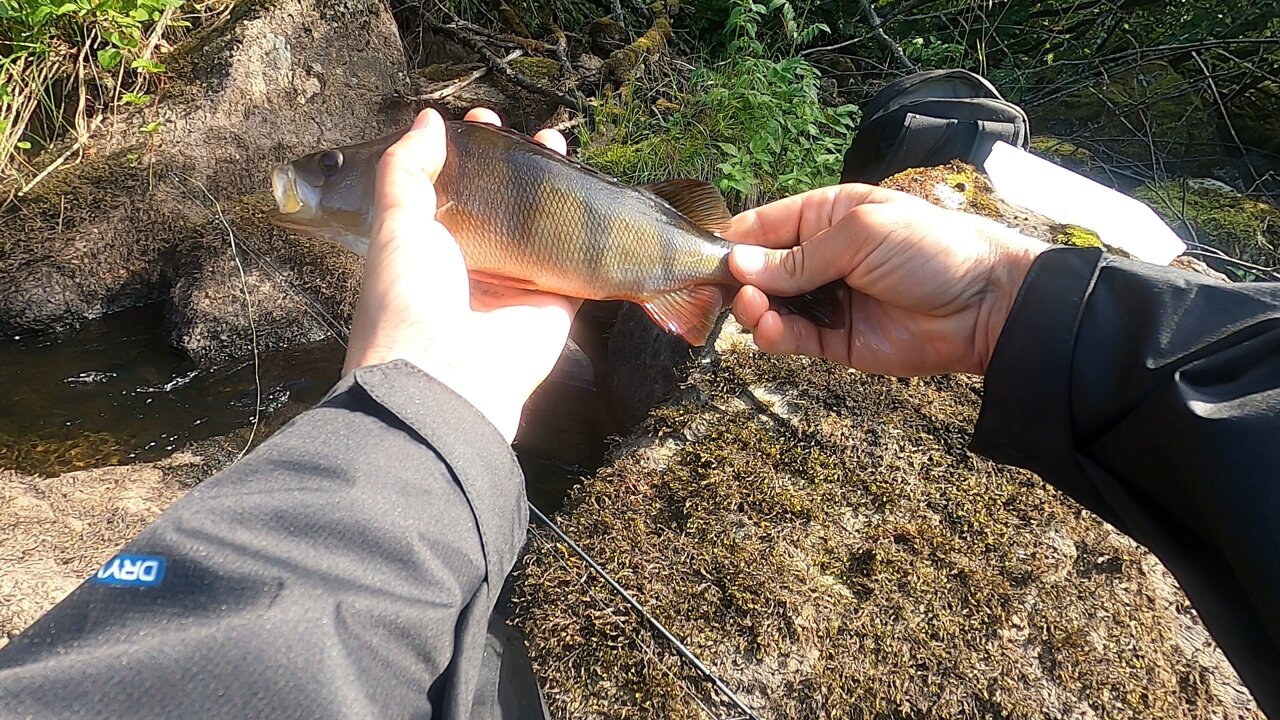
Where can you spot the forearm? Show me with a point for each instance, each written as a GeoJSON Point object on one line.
{"type": "Point", "coordinates": [1152, 396]}
{"type": "Point", "coordinates": [342, 569]}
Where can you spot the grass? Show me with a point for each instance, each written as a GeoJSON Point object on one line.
{"type": "Point", "coordinates": [64, 64]}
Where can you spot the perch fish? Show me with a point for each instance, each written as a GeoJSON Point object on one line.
{"type": "Point", "coordinates": [525, 216]}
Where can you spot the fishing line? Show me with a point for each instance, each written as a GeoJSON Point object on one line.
{"type": "Point", "coordinates": [248, 303]}
{"type": "Point", "coordinates": [646, 644]}
{"type": "Point", "coordinates": [313, 307]}
{"type": "Point", "coordinates": [679, 647]}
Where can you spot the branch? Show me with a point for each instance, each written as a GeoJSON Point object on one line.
{"type": "Point", "coordinates": [877, 30]}
{"type": "Point", "coordinates": [459, 84]}
{"type": "Point", "coordinates": [500, 66]}
{"type": "Point", "coordinates": [1226, 117]}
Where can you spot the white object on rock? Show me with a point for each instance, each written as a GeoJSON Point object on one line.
{"type": "Point", "coordinates": [1066, 197]}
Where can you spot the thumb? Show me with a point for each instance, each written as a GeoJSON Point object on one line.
{"type": "Point", "coordinates": [782, 273]}
{"type": "Point", "coordinates": [408, 168]}
{"type": "Point", "coordinates": [407, 239]}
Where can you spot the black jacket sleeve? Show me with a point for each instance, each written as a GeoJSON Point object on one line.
{"type": "Point", "coordinates": [1152, 397]}
{"type": "Point", "coordinates": [346, 568]}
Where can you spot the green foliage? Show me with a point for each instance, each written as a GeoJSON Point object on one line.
{"type": "Point", "coordinates": [755, 124]}
{"type": "Point", "coordinates": [756, 127]}
{"type": "Point", "coordinates": [99, 45]}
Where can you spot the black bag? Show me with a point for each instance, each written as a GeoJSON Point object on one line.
{"type": "Point", "coordinates": [931, 118]}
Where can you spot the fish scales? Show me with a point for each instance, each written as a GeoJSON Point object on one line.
{"type": "Point", "coordinates": [526, 216]}
{"type": "Point", "coordinates": [517, 210]}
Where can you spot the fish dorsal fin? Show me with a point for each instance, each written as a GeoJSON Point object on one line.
{"type": "Point", "coordinates": [688, 312]}
{"type": "Point", "coordinates": [699, 201]}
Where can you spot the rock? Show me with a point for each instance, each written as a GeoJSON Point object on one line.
{"type": "Point", "coordinates": [959, 186]}
{"type": "Point", "coordinates": [55, 532]}
{"type": "Point", "coordinates": [142, 217]}
{"type": "Point", "coordinates": [1187, 262]}
{"type": "Point", "coordinates": [1121, 118]}
{"type": "Point", "coordinates": [824, 541]}
{"type": "Point", "coordinates": [1211, 213]}
{"type": "Point", "coordinates": [646, 365]}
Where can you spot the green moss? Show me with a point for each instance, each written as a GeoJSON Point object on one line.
{"type": "Point", "coordinates": [1213, 214]}
{"type": "Point", "coordinates": [543, 71]}
{"type": "Point", "coordinates": [825, 542]}
{"type": "Point", "coordinates": [957, 186]}
{"type": "Point", "coordinates": [1062, 152]}
{"type": "Point", "coordinates": [1076, 236]}
{"type": "Point", "coordinates": [623, 62]}
{"type": "Point", "coordinates": [605, 35]}
{"type": "Point", "coordinates": [512, 22]}
{"type": "Point", "coordinates": [1133, 109]}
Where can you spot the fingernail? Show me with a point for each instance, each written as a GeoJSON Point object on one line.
{"type": "Point", "coordinates": [750, 259]}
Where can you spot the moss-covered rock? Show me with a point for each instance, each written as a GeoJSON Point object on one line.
{"type": "Point", "coordinates": [543, 71]}
{"type": "Point", "coordinates": [1067, 154]}
{"type": "Point", "coordinates": [143, 218]}
{"type": "Point", "coordinates": [623, 62]}
{"type": "Point", "coordinates": [1213, 214]}
{"type": "Point", "coordinates": [824, 541]}
{"type": "Point", "coordinates": [1134, 110]}
{"type": "Point", "coordinates": [605, 36]}
{"type": "Point", "coordinates": [1256, 117]}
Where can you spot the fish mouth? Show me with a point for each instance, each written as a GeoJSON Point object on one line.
{"type": "Point", "coordinates": [291, 199]}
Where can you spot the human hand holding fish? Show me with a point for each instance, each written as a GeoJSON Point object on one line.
{"type": "Point", "coordinates": [930, 288]}
{"type": "Point", "coordinates": [492, 345]}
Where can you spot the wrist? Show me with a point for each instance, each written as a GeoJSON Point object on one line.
{"type": "Point", "coordinates": [1012, 257]}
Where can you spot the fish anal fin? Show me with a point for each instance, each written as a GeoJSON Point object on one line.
{"type": "Point", "coordinates": [699, 201]}
{"type": "Point", "coordinates": [688, 312]}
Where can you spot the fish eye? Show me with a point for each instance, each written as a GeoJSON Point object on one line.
{"type": "Point", "coordinates": [331, 161]}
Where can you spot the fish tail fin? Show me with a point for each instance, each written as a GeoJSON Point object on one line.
{"type": "Point", "coordinates": [688, 312]}
{"type": "Point", "coordinates": [825, 307]}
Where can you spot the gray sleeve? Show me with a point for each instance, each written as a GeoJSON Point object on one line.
{"type": "Point", "coordinates": [1152, 396]}
{"type": "Point", "coordinates": [345, 568]}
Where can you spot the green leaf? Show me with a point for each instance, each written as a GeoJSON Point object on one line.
{"type": "Point", "coordinates": [151, 127]}
{"type": "Point", "coordinates": [147, 65]}
{"type": "Point", "coordinates": [108, 58]}
{"type": "Point", "coordinates": [23, 145]}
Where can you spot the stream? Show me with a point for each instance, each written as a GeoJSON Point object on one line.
{"type": "Point", "coordinates": [115, 392]}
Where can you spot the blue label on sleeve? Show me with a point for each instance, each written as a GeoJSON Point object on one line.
{"type": "Point", "coordinates": [131, 571]}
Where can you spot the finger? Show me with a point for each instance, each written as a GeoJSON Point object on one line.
{"type": "Point", "coordinates": [552, 139]}
{"type": "Point", "coordinates": [407, 169]}
{"type": "Point", "coordinates": [483, 115]}
{"type": "Point", "coordinates": [749, 305]}
{"type": "Point", "coordinates": [794, 220]}
{"type": "Point", "coordinates": [832, 254]}
{"type": "Point", "coordinates": [787, 335]}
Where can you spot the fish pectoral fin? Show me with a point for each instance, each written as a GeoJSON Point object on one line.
{"type": "Point", "coordinates": [503, 280]}
{"type": "Point", "coordinates": [689, 312]}
{"type": "Point", "coordinates": [699, 201]}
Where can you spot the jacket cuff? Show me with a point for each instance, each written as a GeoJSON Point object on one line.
{"type": "Point", "coordinates": [1032, 361]}
{"type": "Point", "coordinates": [478, 455]}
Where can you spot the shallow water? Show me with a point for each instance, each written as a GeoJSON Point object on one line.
{"type": "Point", "coordinates": [115, 392]}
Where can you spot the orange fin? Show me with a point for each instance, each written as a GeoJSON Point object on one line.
{"type": "Point", "coordinates": [502, 280]}
{"type": "Point", "coordinates": [689, 312]}
{"type": "Point", "coordinates": [699, 201]}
